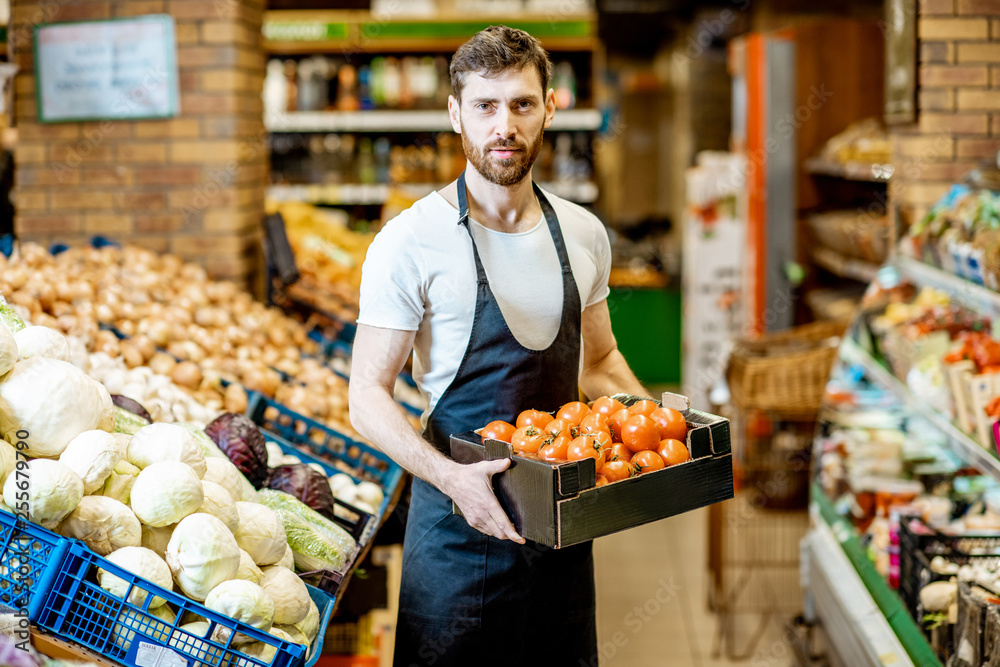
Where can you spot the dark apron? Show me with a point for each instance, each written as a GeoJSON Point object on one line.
{"type": "Point", "coordinates": [471, 600]}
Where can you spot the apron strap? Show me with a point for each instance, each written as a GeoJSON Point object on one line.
{"type": "Point", "coordinates": [463, 219]}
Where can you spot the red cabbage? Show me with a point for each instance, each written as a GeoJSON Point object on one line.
{"type": "Point", "coordinates": [306, 484]}
{"type": "Point", "coordinates": [131, 405]}
{"type": "Point", "coordinates": [240, 439]}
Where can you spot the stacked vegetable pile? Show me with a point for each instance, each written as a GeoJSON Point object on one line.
{"type": "Point", "coordinates": [623, 442]}
{"type": "Point", "coordinates": [175, 505]}
{"type": "Point", "coordinates": [196, 331]}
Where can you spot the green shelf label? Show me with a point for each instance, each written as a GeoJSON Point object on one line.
{"type": "Point", "coordinates": [304, 31]}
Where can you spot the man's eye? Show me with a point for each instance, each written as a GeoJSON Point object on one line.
{"type": "Point", "coordinates": [524, 104]}
{"type": "Point", "coordinates": [483, 106]}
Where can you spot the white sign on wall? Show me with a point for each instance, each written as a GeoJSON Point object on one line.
{"type": "Point", "coordinates": [112, 69]}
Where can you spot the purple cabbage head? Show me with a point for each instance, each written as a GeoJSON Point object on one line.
{"type": "Point", "coordinates": [240, 439]}
{"type": "Point", "coordinates": [306, 484]}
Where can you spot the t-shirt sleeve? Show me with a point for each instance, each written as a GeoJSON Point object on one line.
{"type": "Point", "coordinates": [392, 281]}
{"type": "Point", "coordinates": [602, 257]}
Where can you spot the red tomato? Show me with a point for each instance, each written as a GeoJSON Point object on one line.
{"type": "Point", "coordinates": [573, 412]}
{"type": "Point", "coordinates": [647, 461]}
{"type": "Point", "coordinates": [671, 423]}
{"type": "Point", "coordinates": [595, 421]}
{"type": "Point", "coordinates": [640, 433]}
{"type": "Point", "coordinates": [527, 440]}
{"type": "Point", "coordinates": [558, 427]}
{"type": "Point", "coordinates": [583, 447]}
{"type": "Point", "coordinates": [534, 418]}
{"type": "Point", "coordinates": [603, 439]}
{"type": "Point", "coordinates": [555, 449]}
{"type": "Point", "coordinates": [673, 451]}
{"type": "Point", "coordinates": [643, 407]}
{"type": "Point", "coordinates": [607, 406]}
{"type": "Point", "coordinates": [602, 480]}
{"type": "Point", "coordinates": [619, 451]}
{"type": "Point", "coordinates": [617, 469]}
{"type": "Point", "coordinates": [618, 420]}
{"type": "Point", "coordinates": [498, 430]}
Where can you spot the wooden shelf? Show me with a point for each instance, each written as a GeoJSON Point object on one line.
{"type": "Point", "coordinates": [845, 267]}
{"type": "Point", "coordinates": [377, 193]}
{"type": "Point", "coordinates": [851, 171]}
{"type": "Point", "coordinates": [432, 120]}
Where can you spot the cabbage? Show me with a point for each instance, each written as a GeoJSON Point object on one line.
{"type": "Point", "coordinates": [127, 422]}
{"type": "Point", "coordinates": [225, 474]}
{"type": "Point", "coordinates": [302, 482]}
{"type": "Point", "coordinates": [133, 625]}
{"type": "Point", "coordinates": [333, 533]}
{"type": "Point", "coordinates": [52, 401]}
{"type": "Point", "coordinates": [131, 405]}
{"type": "Point", "coordinates": [54, 491]}
{"type": "Point", "coordinates": [8, 351]}
{"type": "Point", "coordinates": [266, 652]}
{"type": "Point", "coordinates": [294, 633]}
{"type": "Point", "coordinates": [8, 456]}
{"type": "Point", "coordinates": [208, 448]}
{"type": "Point", "coordinates": [165, 493]}
{"type": "Point", "coordinates": [241, 441]}
{"type": "Point", "coordinates": [157, 539]}
{"type": "Point", "coordinates": [290, 595]}
{"type": "Point", "coordinates": [142, 563]}
{"type": "Point", "coordinates": [243, 601]}
{"type": "Point", "coordinates": [220, 504]}
{"type": "Point", "coordinates": [197, 649]}
{"type": "Point", "coordinates": [9, 317]}
{"type": "Point", "coordinates": [165, 442]}
{"type": "Point", "coordinates": [93, 456]}
{"type": "Point", "coordinates": [309, 626]}
{"type": "Point", "coordinates": [260, 533]}
{"type": "Point", "coordinates": [287, 560]}
{"type": "Point", "coordinates": [202, 553]}
{"type": "Point", "coordinates": [104, 525]}
{"type": "Point", "coordinates": [40, 341]}
{"type": "Point", "coordinates": [248, 569]}
{"type": "Point", "coordinates": [370, 493]}
{"type": "Point", "coordinates": [119, 483]}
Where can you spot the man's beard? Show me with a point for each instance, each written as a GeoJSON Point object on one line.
{"type": "Point", "coordinates": [508, 171]}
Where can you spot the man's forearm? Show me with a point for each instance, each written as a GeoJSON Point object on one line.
{"type": "Point", "coordinates": [377, 417]}
{"type": "Point", "coordinates": [609, 376]}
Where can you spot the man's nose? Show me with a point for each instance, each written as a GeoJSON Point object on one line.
{"type": "Point", "coordinates": [504, 124]}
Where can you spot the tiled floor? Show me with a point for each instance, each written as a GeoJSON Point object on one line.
{"type": "Point", "coordinates": [652, 602]}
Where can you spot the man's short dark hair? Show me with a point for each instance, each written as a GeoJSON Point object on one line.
{"type": "Point", "coordinates": [495, 50]}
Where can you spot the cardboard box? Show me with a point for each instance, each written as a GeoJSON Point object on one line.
{"type": "Point", "coordinates": [559, 504]}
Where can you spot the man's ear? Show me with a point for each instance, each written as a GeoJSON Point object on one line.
{"type": "Point", "coordinates": [550, 107]}
{"type": "Point", "coordinates": [455, 114]}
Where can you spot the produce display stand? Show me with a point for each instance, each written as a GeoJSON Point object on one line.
{"type": "Point", "coordinates": [862, 637]}
{"type": "Point", "coordinates": [57, 648]}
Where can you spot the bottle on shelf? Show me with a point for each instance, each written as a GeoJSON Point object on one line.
{"type": "Point", "coordinates": [364, 88]}
{"type": "Point", "coordinates": [275, 88]}
{"type": "Point", "coordinates": [347, 80]}
{"type": "Point", "coordinates": [382, 151]}
{"type": "Point", "coordinates": [564, 85]}
{"type": "Point", "coordinates": [291, 86]}
{"type": "Point", "coordinates": [365, 161]}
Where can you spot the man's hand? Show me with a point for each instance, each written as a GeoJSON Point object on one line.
{"type": "Point", "coordinates": [471, 489]}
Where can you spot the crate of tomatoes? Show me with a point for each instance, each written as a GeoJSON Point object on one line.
{"type": "Point", "coordinates": [592, 470]}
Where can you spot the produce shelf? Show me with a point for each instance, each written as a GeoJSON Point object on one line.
{"type": "Point", "coordinates": [985, 459]}
{"type": "Point", "coordinates": [845, 267]}
{"type": "Point", "coordinates": [975, 297]}
{"type": "Point", "coordinates": [378, 193]}
{"type": "Point", "coordinates": [865, 619]}
{"type": "Point", "coordinates": [851, 171]}
{"type": "Point", "coordinates": [567, 120]}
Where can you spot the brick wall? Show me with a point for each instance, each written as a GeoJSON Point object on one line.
{"type": "Point", "coordinates": [193, 184]}
{"type": "Point", "coordinates": [958, 117]}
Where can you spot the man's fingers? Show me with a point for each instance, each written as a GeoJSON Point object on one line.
{"type": "Point", "coordinates": [495, 466]}
{"type": "Point", "coordinates": [507, 531]}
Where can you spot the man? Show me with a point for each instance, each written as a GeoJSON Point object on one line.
{"type": "Point", "coordinates": [493, 284]}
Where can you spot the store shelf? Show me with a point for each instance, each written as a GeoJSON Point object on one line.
{"type": "Point", "coordinates": [851, 171]}
{"type": "Point", "coordinates": [975, 297]}
{"type": "Point", "coordinates": [377, 193]}
{"type": "Point", "coordinates": [845, 267]}
{"type": "Point", "coordinates": [434, 120]}
{"type": "Point", "coordinates": [849, 614]}
{"type": "Point", "coordinates": [972, 451]}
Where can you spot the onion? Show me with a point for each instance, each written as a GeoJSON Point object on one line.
{"type": "Point", "coordinates": [162, 364]}
{"type": "Point", "coordinates": [187, 374]}
{"type": "Point", "coordinates": [235, 399]}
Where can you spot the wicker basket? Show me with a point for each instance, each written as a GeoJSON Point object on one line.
{"type": "Point", "coordinates": [785, 372]}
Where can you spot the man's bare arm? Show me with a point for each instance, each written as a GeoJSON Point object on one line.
{"type": "Point", "coordinates": [379, 355]}
{"type": "Point", "coordinates": [605, 370]}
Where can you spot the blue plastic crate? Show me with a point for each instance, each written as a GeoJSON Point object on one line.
{"type": "Point", "coordinates": [325, 443]}
{"type": "Point", "coordinates": [30, 557]}
{"type": "Point", "coordinates": [78, 609]}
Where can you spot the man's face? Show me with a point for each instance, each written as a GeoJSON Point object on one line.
{"type": "Point", "coordinates": [502, 119]}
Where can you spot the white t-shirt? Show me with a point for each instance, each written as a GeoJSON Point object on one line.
{"type": "Point", "coordinates": [420, 275]}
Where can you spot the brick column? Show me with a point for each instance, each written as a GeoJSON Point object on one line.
{"type": "Point", "coordinates": [193, 184]}
{"type": "Point", "coordinates": [958, 105]}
